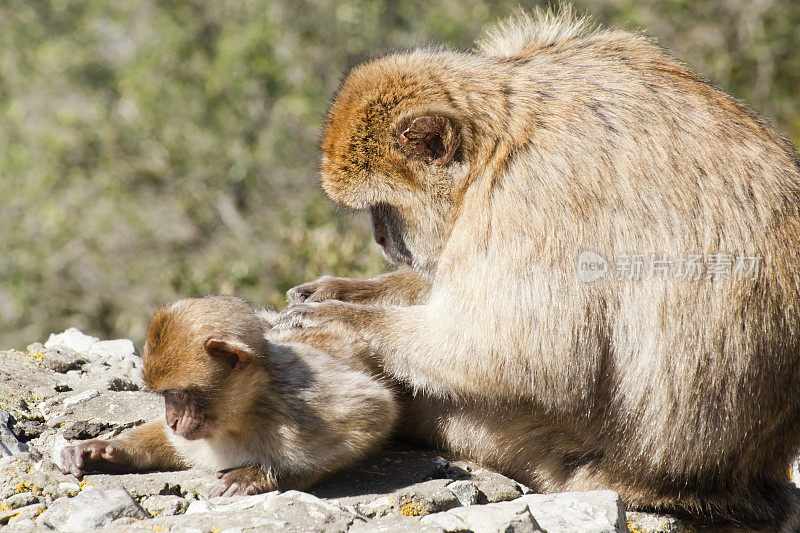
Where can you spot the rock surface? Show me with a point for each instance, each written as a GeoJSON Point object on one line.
{"type": "Point", "coordinates": [76, 387]}
{"type": "Point", "coordinates": [90, 509]}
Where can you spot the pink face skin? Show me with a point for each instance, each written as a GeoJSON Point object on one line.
{"type": "Point", "coordinates": [186, 414]}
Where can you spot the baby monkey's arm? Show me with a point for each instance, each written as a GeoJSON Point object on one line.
{"type": "Point", "coordinates": [137, 450]}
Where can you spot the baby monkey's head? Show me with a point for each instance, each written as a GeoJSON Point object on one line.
{"type": "Point", "coordinates": [205, 356]}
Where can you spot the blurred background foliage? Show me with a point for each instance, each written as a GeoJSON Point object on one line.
{"type": "Point", "coordinates": [162, 148]}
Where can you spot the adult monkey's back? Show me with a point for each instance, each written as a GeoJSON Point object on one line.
{"type": "Point", "coordinates": [490, 173]}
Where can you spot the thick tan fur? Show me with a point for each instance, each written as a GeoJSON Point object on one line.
{"type": "Point", "coordinates": [681, 395]}
{"type": "Point", "coordinates": [289, 417]}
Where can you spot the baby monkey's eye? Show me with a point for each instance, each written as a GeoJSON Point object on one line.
{"type": "Point", "coordinates": [175, 395]}
{"type": "Point", "coordinates": [183, 397]}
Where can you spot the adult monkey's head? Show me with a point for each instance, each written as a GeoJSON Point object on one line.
{"type": "Point", "coordinates": [395, 144]}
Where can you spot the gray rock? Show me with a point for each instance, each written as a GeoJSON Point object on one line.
{"type": "Point", "coordinates": [13, 474]}
{"type": "Point", "coordinates": [573, 512]}
{"type": "Point", "coordinates": [119, 349]}
{"type": "Point", "coordinates": [523, 522]}
{"type": "Point", "coordinates": [74, 379]}
{"type": "Point", "coordinates": [82, 430]}
{"type": "Point", "coordinates": [35, 347]}
{"type": "Point", "coordinates": [25, 473]}
{"type": "Point", "coordinates": [91, 508]}
{"type": "Point", "coordinates": [395, 523]}
{"type": "Point", "coordinates": [82, 397]}
{"type": "Point", "coordinates": [22, 499]}
{"type": "Point", "coordinates": [495, 487]}
{"type": "Point", "coordinates": [57, 445]}
{"type": "Point", "coordinates": [395, 478]}
{"type": "Point", "coordinates": [24, 381]}
{"type": "Point", "coordinates": [307, 511]}
{"type": "Point", "coordinates": [54, 409]}
{"type": "Point", "coordinates": [122, 524]}
{"type": "Point", "coordinates": [62, 360]}
{"type": "Point", "coordinates": [655, 523]}
{"type": "Point", "coordinates": [9, 444]}
{"type": "Point", "coordinates": [447, 521]}
{"type": "Point", "coordinates": [594, 511]}
{"type": "Point", "coordinates": [66, 488]}
{"type": "Point", "coordinates": [444, 469]}
{"type": "Point", "coordinates": [465, 490]}
{"type": "Point", "coordinates": [119, 410]}
{"type": "Point", "coordinates": [165, 505]}
{"type": "Point", "coordinates": [113, 375]}
{"type": "Point", "coordinates": [524, 488]}
{"type": "Point", "coordinates": [415, 500]}
{"type": "Point", "coordinates": [121, 383]}
{"type": "Point", "coordinates": [27, 429]}
{"type": "Point", "coordinates": [189, 484]}
{"type": "Point", "coordinates": [375, 506]}
{"type": "Point", "coordinates": [229, 522]}
{"type": "Point", "coordinates": [21, 519]}
{"type": "Point", "coordinates": [385, 473]}
{"type": "Point", "coordinates": [49, 408]}
{"type": "Point", "coordinates": [288, 511]}
{"type": "Point", "coordinates": [83, 358]}
{"type": "Point", "coordinates": [425, 498]}
{"type": "Point", "coordinates": [72, 339]}
{"type": "Point", "coordinates": [514, 516]}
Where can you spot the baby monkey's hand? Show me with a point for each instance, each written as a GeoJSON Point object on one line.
{"type": "Point", "coordinates": [247, 480]}
{"type": "Point", "coordinates": [94, 456]}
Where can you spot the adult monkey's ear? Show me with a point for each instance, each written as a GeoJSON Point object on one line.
{"type": "Point", "coordinates": [433, 138]}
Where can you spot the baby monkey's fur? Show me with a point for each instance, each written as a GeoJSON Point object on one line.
{"type": "Point", "coordinates": [266, 409]}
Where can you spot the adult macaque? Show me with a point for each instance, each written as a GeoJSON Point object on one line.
{"type": "Point", "coordinates": [267, 409]}
{"type": "Point", "coordinates": [489, 173]}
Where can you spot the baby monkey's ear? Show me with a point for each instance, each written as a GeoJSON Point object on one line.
{"type": "Point", "coordinates": [431, 138]}
{"type": "Point", "coordinates": [236, 354]}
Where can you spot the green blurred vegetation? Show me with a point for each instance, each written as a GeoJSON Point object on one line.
{"type": "Point", "coordinates": [160, 148]}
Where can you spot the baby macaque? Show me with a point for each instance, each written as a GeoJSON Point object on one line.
{"type": "Point", "coordinates": [266, 409]}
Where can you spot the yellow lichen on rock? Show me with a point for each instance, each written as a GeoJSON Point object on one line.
{"type": "Point", "coordinates": [24, 486]}
{"type": "Point", "coordinates": [35, 355]}
{"type": "Point", "coordinates": [411, 508]}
